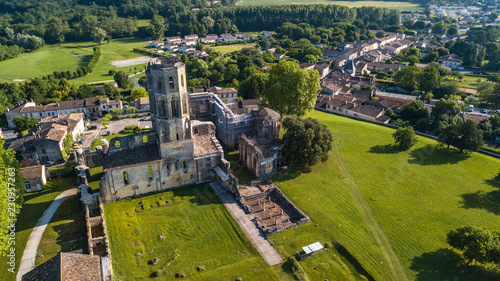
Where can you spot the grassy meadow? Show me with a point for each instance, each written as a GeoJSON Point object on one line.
{"type": "Point", "coordinates": [403, 6]}
{"type": "Point", "coordinates": [224, 49]}
{"type": "Point", "coordinates": [390, 209]}
{"type": "Point", "coordinates": [191, 233]}
{"type": "Point", "coordinates": [71, 56]}
{"type": "Point", "coordinates": [33, 207]}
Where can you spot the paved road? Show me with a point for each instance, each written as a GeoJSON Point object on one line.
{"type": "Point", "coordinates": [29, 255]}
{"type": "Point", "coordinates": [245, 221]}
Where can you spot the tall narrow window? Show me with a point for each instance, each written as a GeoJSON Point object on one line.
{"type": "Point", "coordinates": [182, 80]}
{"type": "Point", "coordinates": [150, 172]}
{"type": "Point", "coordinates": [184, 165]}
{"type": "Point", "coordinates": [125, 177]}
{"type": "Point", "coordinates": [171, 82]}
{"type": "Point", "coordinates": [173, 105]}
{"type": "Point", "coordinates": [158, 80]}
{"type": "Point", "coordinates": [163, 108]}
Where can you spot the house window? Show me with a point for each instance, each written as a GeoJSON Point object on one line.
{"type": "Point", "coordinates": [184, 165]}
{"type": "Point", "coordinates": [150, 172]}
{"type": "Point", "coordinates": [43, 150]}
{"type": "Point", "coordinates": [27, 186]}
{"type": "Point", "coordinates": [125, 177]}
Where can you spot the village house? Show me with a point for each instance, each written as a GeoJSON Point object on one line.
{"type": "Point", "coordinates": [223, 94]}
{"type": "Point", "coordinates": [157, 44]}
{"type": "Point", "coordinates": [174, 40]}
{"type": "Point", "coordinates": [250, 104]}
{"type": "Point", "coordinates": [323, 69]}
{"type": "Point", "coordinates": [171, 47]}
{"type": "Point", "coordinates": [453, 61]}
{"type": "Point", "coordinates": [266, 33]}
{"type": "Point", "coordinates": [351, 106]}
{"type": "Point", "coordinates": [382, 67]}
{"type": "Point", "coordinates": [395, 47]}
{"type": "Point", "coordinates": [396, 98]}
{"type": "Point", "coordinates": [227, 38]}
{"type": "Point", "coordinates": [36, 177]}
{"type": "Point", "coordinates": [209, 40]}
{"type": "Point", "coordinates": [142, 104]}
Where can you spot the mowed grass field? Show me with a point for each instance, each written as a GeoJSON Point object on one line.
{"type": "Point", "coordinates": [415, 197]}
{"type": "Point", "coordinates": [403, 6]}
{"type": "Point", "coordinates": [41, 62]}
{"type": "Point", "coordinates": [224, 49]}
{"type": "Point", "coordinates": [71, 56]}
{"type": "Point", "coordinates": [200, 239]}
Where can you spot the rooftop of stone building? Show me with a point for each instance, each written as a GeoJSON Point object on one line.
{"type": "Point", "coordinates": [137, 155]}
{"type": "Point", "coordinates": [33, 172]}
{"type": "Point", "coordinates": [205, 145]}
{"type": "Point", "coordinates": [67, 266]}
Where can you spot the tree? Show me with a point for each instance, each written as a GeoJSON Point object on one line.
{"type": "Point", "coordinates": [11, 196]}
{"type": "Point", "coordinates": [405, 138]}
{"type": "Point", "coordinates": [453, 29]}
{"type": "Point", "coordinates": [24, 123]}
{"type": "Point", "coordinates": [306, 141]}
{"type": "Point", "coordinates": [430, 77]}
{"type": "Point", "coordinates": [121, 78]}
{"type": "Point", "coordinates": [414, 111]}
{"type": "Point", "coordinates": [291, 90]}
{"type": "Point", "coordinates": [494, 96]}
{"type": "Point", "coordinates": [56, 29]}
{"type": "Point", "coordinates": [117, 111]}
{"type": "Point", "coordinates": [253, 86]}
{"type": "Point", "coordinates": [138, 93]}
{"type": "Point", "coordinates": [208, 22]}
{"type": "Point", "coordinates": [98, 35]}
{"type": "Point", "coordinates": [157, 26]}
{"type": "Point", "coordinates": [473, 241]}
{"type": "Point", "coordinates": [470, 138]}
{"type": "Point", "coordinates": [408, 77]}
{"type": "Point", "coordinates": [131, 110]}
{"type": "Point", "coordinates": [439, 28]}
{"type": "Point", "coordinates": [142, 81]}
{"type": "Point", "coordinates": [446, 112]}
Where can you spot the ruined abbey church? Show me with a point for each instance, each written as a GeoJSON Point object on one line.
{"type": "Point", "coordinates": [178, 151]}
{"type": "Point", "coordinates": [182, 148]}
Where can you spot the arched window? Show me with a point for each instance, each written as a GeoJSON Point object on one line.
{"type": "Point", "coordinates": [171, 82]}
{"type": "Point", "coordinates": [150, 172]}
{"type": "Point", "coordinates": [158, 80]}
{"type": "Point", "coordinates": [125, 177]}
{"type": "Point", "coordinates": [173, 106]}
{"type": "Point", "coordinates": [182, 80]}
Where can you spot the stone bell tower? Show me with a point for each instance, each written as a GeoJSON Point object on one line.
{"type": "Point", "coordinates": [166, 84]}
{"type": "Point", "coordinates": [168, 99]}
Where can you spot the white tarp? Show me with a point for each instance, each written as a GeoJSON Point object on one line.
{"type": "Point", "coordinates": [312, 248]}
{"type": "Point", "coordinates": [221, 174]}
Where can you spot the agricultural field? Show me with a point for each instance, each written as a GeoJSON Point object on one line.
{"type": "Point", "coordinates": [33, 207]}
{"type": "Point", "coordinates": [224, 49]}
{"type": "Point", "coordinates": [390, 209]}
{"type": "Point", "coordinates": [403, 6]}
{"type": "Point", "coordinates": [71, 56]}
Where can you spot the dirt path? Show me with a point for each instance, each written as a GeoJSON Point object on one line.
{"type": "Point", "coordinates": [29, 256]}
{"type": "Point", "coordinates": [397, 269]}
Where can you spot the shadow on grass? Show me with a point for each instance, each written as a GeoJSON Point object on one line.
{"type": "Point", "coordinates": [384, 149]}
{"type": "Point", "coordinates": [435, 155]}
{"type": "Point", "coordinates": [295, 172]}
{"type": "Point", "coordinates": [489, 201]}
{"type": "Point", "coordinates": [353, 261]}
{"type": "Point", "coordinates": [203, 194]}
{"type": "Point", "coordinates": [446, 264]}
{"type": "Point", "coordinates": [495, 182]}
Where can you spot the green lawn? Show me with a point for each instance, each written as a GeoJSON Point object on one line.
{"type": "Point", "coordinates": [201, 239]}
{"type": "Point", "coordinates": [34, 206]}
{"type": "Point", "coordinates": [231, 48]}
{"type": "Point", "coordinates": [403, 6]}
{"type": "Point", "coordinates": [41, 62]}
{"type": "Point", "coordinates": [470, 82]}
{"type": "Point", "coordinates": [66, 231]}
{"type": "Point", "coordinates": [70, 56]}
{"type": "Point", "coordinates": [415, 197]}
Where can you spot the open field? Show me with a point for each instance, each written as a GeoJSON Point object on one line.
{"type": "Point", "coordinates": [201, 239]}
{"type": "Point", "coordinates": [66, 231]}
{"type": "Point", "coordinates": [470, 82]}
{"type": "Point", "coordinates": [44, 61]}
{"type": "Point", "coordinates": [403, 6]}
{"type": "Point", "coordinates": [230, 48]}
{"type": "Point", "coordinates": [34, 206]}
{"type": "Point", "coordinates": [71, 56]}
{"type": "Point", "coordinates": [415, 197]}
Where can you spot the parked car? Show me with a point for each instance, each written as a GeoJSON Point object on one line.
{"type": "Point", "coordinates": [144, 119]}
{"type": "Point", "coordinates": [92, 127]}
{"type": "Point", "coordinates": [94, 119]}
{"type": "Point", "coordinates": [60, 161]}
{"type": "Point", "coordinates": [81, 141]}
{"type": "Point", "coordinates": [49, 163]}
{"type": "Point", "coordinates": [108, 133]}
{"type": "Point", "coordinates": [484, 110]}
{"type": "Point", "coordinates": [471, 107]}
